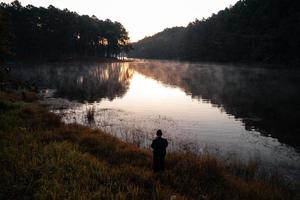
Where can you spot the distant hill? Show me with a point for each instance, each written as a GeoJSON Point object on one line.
{"type": "Point", "coordinates": [161, 45]}
{"type": "Point", "coordinates": [259, 31]}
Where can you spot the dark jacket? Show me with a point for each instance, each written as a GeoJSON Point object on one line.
{"type": "Point", "coordinates": [159, 146]}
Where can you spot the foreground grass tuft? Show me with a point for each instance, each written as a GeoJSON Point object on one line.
{"type": "Point", "coordinates": [42, 158]}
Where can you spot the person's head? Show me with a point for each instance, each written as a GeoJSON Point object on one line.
{"type": "Point", "coordinates": [159, 133]}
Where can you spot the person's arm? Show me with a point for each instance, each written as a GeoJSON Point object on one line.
{"type": "Point", "coordinates": [152, 145]}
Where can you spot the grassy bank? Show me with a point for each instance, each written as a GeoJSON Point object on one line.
{"type": "Point", "coordinates": [43, 158]}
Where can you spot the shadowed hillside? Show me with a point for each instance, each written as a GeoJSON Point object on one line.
{"type": "Point", "coordinates": [166, 44]}
{"type": "Point", "coordinates": [260, 31]}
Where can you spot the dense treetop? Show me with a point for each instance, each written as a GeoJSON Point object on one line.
{"type": "Point", "coordinates": [250, 31]}
{"type": "Point", "coordinates": [30, 32]}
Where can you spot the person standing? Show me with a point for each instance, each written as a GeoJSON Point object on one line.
{"type": "Point", "coordinates": [159, 146]}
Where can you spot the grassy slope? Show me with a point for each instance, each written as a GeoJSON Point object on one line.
{"type": "Point", "coordinates": [43, 158]}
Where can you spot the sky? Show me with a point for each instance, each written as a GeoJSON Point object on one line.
{"type": "Point", "coordinates": [140, 17]}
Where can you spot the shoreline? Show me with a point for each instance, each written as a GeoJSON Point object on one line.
{"type": "Point", "coordinates": [72, 60]}
{"type": "Point", "coordinates": [33, 133]}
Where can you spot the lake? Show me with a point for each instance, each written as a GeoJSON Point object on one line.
{"type": "Point", "coordinates": [235, 112]}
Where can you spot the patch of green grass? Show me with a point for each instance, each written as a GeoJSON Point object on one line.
{"type": "Point", "coordinates": [42, 158]}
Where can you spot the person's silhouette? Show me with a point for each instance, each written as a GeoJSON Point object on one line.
{"type": "Point", "coordinates": [159, 146]}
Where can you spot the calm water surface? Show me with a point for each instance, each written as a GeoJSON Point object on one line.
{"type": "Point", "coordinates": [232, 111]}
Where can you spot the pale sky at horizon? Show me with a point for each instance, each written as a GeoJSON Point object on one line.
{"type": "Point", "coordinates": [141, 18]}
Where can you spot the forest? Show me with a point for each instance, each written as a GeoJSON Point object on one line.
{"type": "Point", "coordinates": [37, 33]}
{"type": "Point", "coordinates": [251, 31]}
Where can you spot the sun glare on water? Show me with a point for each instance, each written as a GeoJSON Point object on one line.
{"type": "Point", "coordinates": [152, 97]}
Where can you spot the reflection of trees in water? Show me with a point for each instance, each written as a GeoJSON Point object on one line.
{"type": "Point", "coordinates": [267, 100]}
{"type": "Point", "coordinates": [81, 82]}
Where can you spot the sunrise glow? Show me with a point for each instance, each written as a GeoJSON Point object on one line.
{"type": "Point", "coordinates": [141, 17]}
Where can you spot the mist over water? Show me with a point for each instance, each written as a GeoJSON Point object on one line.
{"type": "Point", "coordinates": [232, 111]}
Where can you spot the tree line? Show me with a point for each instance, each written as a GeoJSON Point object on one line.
{"type": "Point", "coordinates": [50, 33]}
{"type": "Point", "coordinates": [260, 31]}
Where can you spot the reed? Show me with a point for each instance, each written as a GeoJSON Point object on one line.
{"type": "Point", "coordinates": [90, 115]}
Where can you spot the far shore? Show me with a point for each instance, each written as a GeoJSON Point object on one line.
{"type": "Point", "coordinates": [67, 60]}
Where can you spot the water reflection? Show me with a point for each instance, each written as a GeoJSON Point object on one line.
{"type": "Point", "coordinates": [223, 109]}
{"type": "Point", "coordinates": [266, 100]}
{"type": "Point", "coordinates": [88, 82]}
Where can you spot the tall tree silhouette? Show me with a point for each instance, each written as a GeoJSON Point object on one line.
{"type": "Point", "coordinates": [5, 36]}
{"type": "Point", "coordinates": [51, 33]}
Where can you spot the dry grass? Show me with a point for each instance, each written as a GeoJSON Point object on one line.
{"type": "Point", "coordinates": [42, 158]}
{"type": "Point", "coordinates": [22, 95]}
